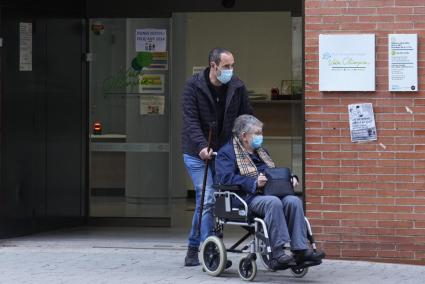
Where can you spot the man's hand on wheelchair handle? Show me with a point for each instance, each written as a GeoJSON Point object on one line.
{"type": "Point", "coordinates": [205, 155]}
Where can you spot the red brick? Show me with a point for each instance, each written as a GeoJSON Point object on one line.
{"type": "Point", "coordinates": [398, 209]}
{"type": "Point", "coordinates": [358, 208]}
{"type": "Point", "coordinates": [374, 3]}
{"type": "Point", "coordinates": [364, 192]}
{"type": "Point", "coordinates": [377, 19]}
{"type": "Point", "coordinates": [408, 3]}
{"type": "Point", "coordinates": [394, 26]}
{"type": "Point", "coordinates": [395, 224]}
{"type": "Point", "coordinates": [321, 12]}
{"type": "Point", "coordinates": [359, 223]}
{"type": "Point", "coordinates": [360, 11]}
{"type": "Point", "coordinates": [376, 200]}
{"type": "Point", "coordinates": [395, 254]}
{"type": "Point", "coordinates": [340, 155]}
{"type": "Point", "coordinates": [394, 11]}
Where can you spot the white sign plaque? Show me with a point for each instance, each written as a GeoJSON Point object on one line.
{"type": "Point", "coordinates": [362, 122]}
{"type": "Point", "coordinates": [347, 62]}
{"type": "Point", "coordinates": [403, 62]}
{"type": "Point", "coordinates": [152, 40]}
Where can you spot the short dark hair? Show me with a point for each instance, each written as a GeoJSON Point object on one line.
{"type": "Point", "coordinates": [215, 55]}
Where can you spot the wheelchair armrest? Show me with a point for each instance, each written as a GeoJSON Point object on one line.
{"type": "Point", "coordinates": [227, 187]}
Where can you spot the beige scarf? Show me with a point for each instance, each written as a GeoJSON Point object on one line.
{"type": "Point", "coordinates": [245, 163]}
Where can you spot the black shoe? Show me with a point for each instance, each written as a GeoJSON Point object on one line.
{"type": "Point", "coordinates": [228, 264]}
{"type": "Point", "coordinates": [308, 255]}
{"type": "Point", "coordinates": [285, 259]}
{"type": "Point", "coordinates": [320, 253]}
{"type": "Point", "coordinates": [191, 258]}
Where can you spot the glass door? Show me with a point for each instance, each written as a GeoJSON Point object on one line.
{"type": "Point", "coordinates": [129, 118]}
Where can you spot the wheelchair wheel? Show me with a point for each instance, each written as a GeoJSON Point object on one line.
{"type": "Point", "coordinates": [213, 256]}
{"type": "Point", "coordinates": [299, 272]}
{"type": "Point", "coordinates": [247, 268]}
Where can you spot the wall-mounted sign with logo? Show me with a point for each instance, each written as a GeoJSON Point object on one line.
{"type": "Point", "coordinates": [347, 62]}
{"type": "Point", "coordinates": [403, 62]}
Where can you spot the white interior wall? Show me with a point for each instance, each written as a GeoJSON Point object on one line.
{"type": "Point", "coordinates": [260, 41]}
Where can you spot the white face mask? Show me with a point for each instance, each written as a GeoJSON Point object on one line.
{"type": "Point", "coordinates": [225, 75]}
{"type": "Point", "coordinates": [257, 141]}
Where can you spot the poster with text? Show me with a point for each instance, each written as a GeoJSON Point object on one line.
{"type": "Point", "coordinates": [347, 62]}
{"type": "Point", "coordinates": [403, 62]}
{"type": "Point", "coordinates": [159, 61]}
{"type": "Point", "coordinates": [25, 46]}
{"type": "Point", "coordinates": [362, 122]}
{"type": "Point", "coordinates": [151, 83]}
{"type": "Point", "coordinates": [152, 105]}
{"type": "Point", "coordinates": [153, 40]}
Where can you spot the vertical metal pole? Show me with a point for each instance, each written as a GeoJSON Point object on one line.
{"type": "Point", "coordinates": [204, 184]}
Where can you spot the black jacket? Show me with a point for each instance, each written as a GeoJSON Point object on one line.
{"type": "Point", "coordinates": [199, 112]}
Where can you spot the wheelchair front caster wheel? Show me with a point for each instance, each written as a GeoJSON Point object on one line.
{"type": "Point", "coordinates": [266, 260]}
{"type": "Point", "coordinates": [213, 256]}
{"type": "Point", "coordinates": [247, 268]}
{"type": "Point", "coordinates": [299, 272]}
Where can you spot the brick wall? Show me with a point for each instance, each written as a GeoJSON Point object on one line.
{"type": "Point", "coordinates": [366, 201]}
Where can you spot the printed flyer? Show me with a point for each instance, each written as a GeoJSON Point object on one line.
{"type": "Point", "coordinates": [362, 122]}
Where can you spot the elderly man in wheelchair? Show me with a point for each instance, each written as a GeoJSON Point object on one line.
{"type": "Point", "coordinates": [244, 171]}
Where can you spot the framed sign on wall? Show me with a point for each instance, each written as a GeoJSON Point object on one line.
{"type": "Point", "coordinates": [403, 62]}
{"type": "Point", "coordinates": [347, 62]}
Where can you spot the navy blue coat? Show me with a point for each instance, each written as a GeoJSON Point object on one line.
{"type": "Point", "coordinates": [199, 111]}
{"type": "Point", "coordinates": [227, 172]}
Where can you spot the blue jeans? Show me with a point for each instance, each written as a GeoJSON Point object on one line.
{"type": "Point", "coordinates": [196, 168]}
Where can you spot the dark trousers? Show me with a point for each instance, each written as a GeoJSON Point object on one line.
{"type": "Point", "coordinates": [284, 219]}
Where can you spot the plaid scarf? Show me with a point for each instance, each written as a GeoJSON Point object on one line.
{"type": "Point", "coordinates": [245, 164]}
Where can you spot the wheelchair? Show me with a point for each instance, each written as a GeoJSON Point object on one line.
{"type": "Point", "coordinates": [231, 209]}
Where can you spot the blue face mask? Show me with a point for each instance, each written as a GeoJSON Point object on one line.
{"type": "Point", "coordinates": [257, 141]}
{"type": "Point", "coordinates": [225, 75]}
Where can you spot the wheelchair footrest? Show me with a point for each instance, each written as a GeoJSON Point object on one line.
{"type": "Point", "coordinates": [276, 266]}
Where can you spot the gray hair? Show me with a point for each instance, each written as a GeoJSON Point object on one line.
{"type": "Point", "coordinates": [215, 55]}
{"type": "Point", "coordinates": [245, 123]}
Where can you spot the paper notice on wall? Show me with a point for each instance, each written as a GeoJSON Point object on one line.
{"type": "Point", "coordinates": [403, 62]}
{"type": "Point", "coordinates": [197, 69]}
{"type": "Point", "coordinates": [159, 61]}
{"type": "Point", "coordinates": [25, 46]}
{"type": "Point", "coordinates": [151, 83]}
{"type": "Point", "coordinates": [152, 105]}
{"type": "Point", "coordinates": [362, 122]}
{"type": "Point", "coordinates": [151, 40]}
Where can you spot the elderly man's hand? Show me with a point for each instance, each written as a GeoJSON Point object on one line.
{"type": "Point", "coordinates": [205, 155]}
{"type": "Point", "coordinates": [294, 181]}
{"type": "Point", "coordinates": [261, 180]}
